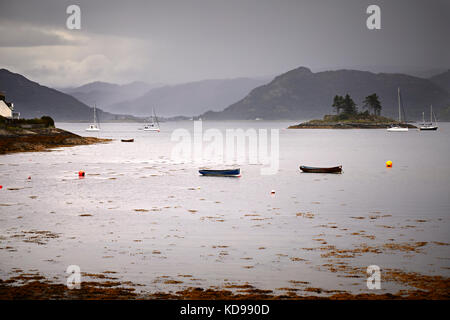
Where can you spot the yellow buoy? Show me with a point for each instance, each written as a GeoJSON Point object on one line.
{"type": "Point", "coordinates": [389, 164]}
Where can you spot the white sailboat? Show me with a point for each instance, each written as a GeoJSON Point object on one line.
{"type": "Point", "coordinates": [398, 128]}
{"type": "Point", "coordinates": [154, 125]}
{"type": "Point", "coordinates": [429, 126]}
{"type": "Point", "coordinates": [94, 126]}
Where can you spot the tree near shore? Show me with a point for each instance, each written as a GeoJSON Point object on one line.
{"type": "Point", "coordinates": [338, 103]}
{"type": "Point", "coordinates": [349, 105]}
{"type": "Point", "coordinates": [344, 104]}
{"type": "Point", "coordinates": [373, 102]}
{"type": "Point", "coordinates": [345, 107]}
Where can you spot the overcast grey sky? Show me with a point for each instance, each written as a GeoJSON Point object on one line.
{"type": "Point", "coordinates": [178, 41]}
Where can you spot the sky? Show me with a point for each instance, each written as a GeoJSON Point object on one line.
{"type": "Point", "coordinates": [168, 41]}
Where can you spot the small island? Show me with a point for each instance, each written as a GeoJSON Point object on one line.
{"type": "Point", "coordinates": [27, 135]}
{"type": "Point", "coordinates": [348, 117]}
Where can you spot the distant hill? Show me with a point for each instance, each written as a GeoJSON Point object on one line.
{"type": "Point", "coordinates": [189, 99]}
{"type": "Point", "coordinates": [302, 94]}
{"type": "Point", "coordinates": [34, 100]}
{"type": "Point", "coordinates": [442, 80]}
{"type": "Point", "coordinates": [104, 94]}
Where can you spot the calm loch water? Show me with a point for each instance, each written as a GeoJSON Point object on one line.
{"type": "Point", "coordinates": [149, 219]}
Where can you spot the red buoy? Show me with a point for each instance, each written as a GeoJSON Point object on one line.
{"type": "Point", "coordinates": [81, 173]}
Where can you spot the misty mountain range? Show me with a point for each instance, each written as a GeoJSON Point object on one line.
{"type": "Point", "coordinates": [296, 94]}
{"type": "Point", "coordinates": [104, 94]}
{"type": "Point", "coordinates": [189, 99]}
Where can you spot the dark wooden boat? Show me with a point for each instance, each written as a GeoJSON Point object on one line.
{"type": "Point", "coordinates": [127, 140]}
{"type": "Point", "coordinates": [224, 172]}
{"type": "Point", "coordinates": [337, 169]}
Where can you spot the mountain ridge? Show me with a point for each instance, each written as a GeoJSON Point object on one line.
{"type": "Point", "coordinates": [301, 93]}
{"type": "Point", "coordinates": [34, 100]}
{"type": "Point", "coordinates": [442, 80]}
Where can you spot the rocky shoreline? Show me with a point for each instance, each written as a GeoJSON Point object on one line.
{"type": "Point", "coordinates": [41, 139]}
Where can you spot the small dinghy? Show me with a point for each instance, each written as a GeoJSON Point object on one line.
{"type": "Point", "coordinates": [127, 140]}
{"type": "Point", "coordinates": [337, 169]}
{"type": "Point", "coordinates": [220, 173]}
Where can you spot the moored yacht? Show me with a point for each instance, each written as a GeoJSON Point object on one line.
{"type": "Point", "coordinates": [94, 126]}
{"type": "Point", "coordinates": [429, 126]}
{"type": "Point", "coordinates": [154, 125]}
{"type": "Point", "coordinates": [398, 127]}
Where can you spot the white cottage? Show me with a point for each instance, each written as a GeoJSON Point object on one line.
{"type": "Point", "coordinates": [7, 108]}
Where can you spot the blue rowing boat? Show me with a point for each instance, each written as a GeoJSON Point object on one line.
{"type": "Point", "coordinates": [225, 172]}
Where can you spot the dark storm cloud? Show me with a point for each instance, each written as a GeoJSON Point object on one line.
{"type": "Point", "coordinates": [196, 39]}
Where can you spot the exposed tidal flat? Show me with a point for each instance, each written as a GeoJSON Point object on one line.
{"type": "Point", "coordinates": [140, 225]}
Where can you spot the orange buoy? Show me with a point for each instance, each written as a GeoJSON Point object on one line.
{"type": "Point", "coordinates": [1, 187]}
{"type": "Point", "coordinates": [389, 164]}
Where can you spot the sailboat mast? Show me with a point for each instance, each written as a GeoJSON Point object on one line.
{"type": "Point", "coordinates": [423, 117]}
{"type": "Point", "coordinates": [399, 106]}
{"type": "Point", "coordinates": [435, 120]}
{"type": "Point", "coordinates": [431, 113]}
{"type": "Point", "coordinates": [155, 118]}
{"type": "Point", "coordinates": [95, 118]}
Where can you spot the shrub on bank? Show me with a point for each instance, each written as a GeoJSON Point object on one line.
{"type": "Point", "coordinates": [43, 122]}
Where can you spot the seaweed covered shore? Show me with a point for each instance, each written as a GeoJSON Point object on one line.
{"type": "Point", "coordinates": [101, 286]}
{"type": "Point", "coordinates": [41, 139]}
